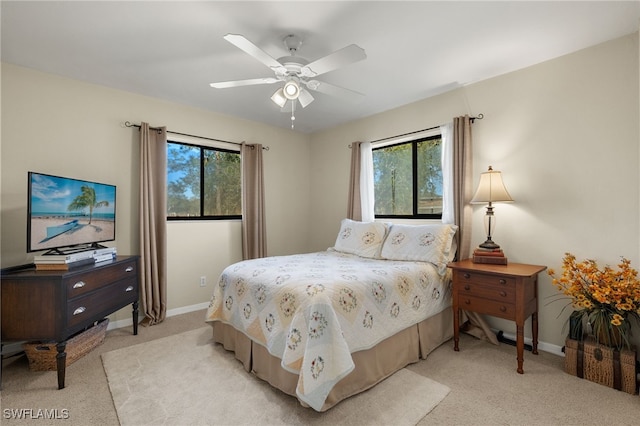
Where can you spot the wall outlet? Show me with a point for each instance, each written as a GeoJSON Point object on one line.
{"type": "Point", "coordinates": [203, 281]}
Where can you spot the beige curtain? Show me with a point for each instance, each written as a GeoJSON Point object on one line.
{"type": "Point", "coordinates": [153, 223]}
{"type": "Point", "coordinates": [462, 183]}
{"type": "Point", "coordinates": [254, 234]}
{"type": "Point", "coordinates": [354, 205]}
{"type": "Point", "coordinates": [462, 193]}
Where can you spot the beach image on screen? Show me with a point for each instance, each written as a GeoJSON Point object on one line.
{"type": "Point", "coordinates": [66, 212]}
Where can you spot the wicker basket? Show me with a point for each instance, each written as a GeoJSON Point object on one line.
{"type": "Point", "coordinates": [601, 364]}
{"type": "Point", "coordinates": [42, 356]}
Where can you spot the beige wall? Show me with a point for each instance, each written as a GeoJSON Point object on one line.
{"type": "Point", "coordinates": [65, 127]}
{"type": "Point", "coordinates": [564, 133]}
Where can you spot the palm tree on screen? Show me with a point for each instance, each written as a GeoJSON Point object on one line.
{"type": "Point", "coordinates": [87, 199]}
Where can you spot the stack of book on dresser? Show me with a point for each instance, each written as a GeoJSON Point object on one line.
{"type": "Point", "coordinates": [63, 262]}
{"type": "Point", "coordinates": [491, 256]}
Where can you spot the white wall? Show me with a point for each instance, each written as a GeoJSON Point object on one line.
{"type": "Point", "coordinates": [65, 127]}
{"type": "Point", "coordinates": [564, 133]}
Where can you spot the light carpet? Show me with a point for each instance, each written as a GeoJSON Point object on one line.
{"type": "Point", "coordinates": [186, 379]}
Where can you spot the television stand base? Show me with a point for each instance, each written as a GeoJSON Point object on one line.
{"type": "Point", "coordinates": [73, 249]}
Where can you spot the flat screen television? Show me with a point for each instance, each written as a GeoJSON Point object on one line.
{"type": "Point", "coordinates": [66, 215]}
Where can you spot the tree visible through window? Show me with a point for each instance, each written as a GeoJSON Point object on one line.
{"type": "Point", "coordinates": [408, 179]}
{"type": "Point", "coordinates": [203, 182]}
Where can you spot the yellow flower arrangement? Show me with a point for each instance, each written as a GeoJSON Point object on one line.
{"type": "Point", "coordinates": [607, 298]}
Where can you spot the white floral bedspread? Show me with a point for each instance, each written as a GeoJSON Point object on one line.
{"type": "Point", "coordinates": [313, 310]}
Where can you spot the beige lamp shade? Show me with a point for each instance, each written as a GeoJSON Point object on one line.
{"type": "Point", "coordinates": [491, 188]}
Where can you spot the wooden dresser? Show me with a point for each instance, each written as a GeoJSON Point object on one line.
{"type": "Point", "coordinates": [505, 291]}
{"type": "Point", "coordinates": [55, 305]}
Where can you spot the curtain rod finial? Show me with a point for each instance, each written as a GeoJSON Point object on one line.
{"type": "Point", "coordinates": [477, 117]}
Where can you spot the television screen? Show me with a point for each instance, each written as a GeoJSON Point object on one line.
{"type": "Point", "coordinates": [69, 213]}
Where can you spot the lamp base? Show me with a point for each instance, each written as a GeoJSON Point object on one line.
{"type": "Point", "coordinates": [490, 245]}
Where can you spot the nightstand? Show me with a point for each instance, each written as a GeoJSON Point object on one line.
{"type": "Point", "coordinates": [505, 291]}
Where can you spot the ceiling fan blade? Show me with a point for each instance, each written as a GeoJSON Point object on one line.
{"type": "Point", "coordinates": [335, 60]}
{"type": "Point", "coordinates": [238, 83]}
{"type": "Point", "coordinates": [305, 97]}
{"type": "Point", "coordinates": [337, 91]}
{"type": "Point", "coordinates": [242, 43]}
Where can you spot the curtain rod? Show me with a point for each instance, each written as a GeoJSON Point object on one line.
{"type": "Point", "coordinates": [479, 117]}
{"type": "Point", "coordinates": [129, 124]}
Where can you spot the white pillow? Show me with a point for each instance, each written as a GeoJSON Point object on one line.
{"type": "Point", "coordinates": [361, 238]}
{"type": "Point", "coordinates": [426, 243]}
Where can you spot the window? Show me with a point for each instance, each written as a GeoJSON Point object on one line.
{"type": "Point", "coordinates": [407, 179]}
{"type": "Point", "coordinates": [203, 182]}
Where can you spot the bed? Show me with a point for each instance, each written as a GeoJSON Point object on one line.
{"type": "Point", "coordinates": [324, 326]}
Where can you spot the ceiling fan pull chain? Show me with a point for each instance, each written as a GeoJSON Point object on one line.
{"type": "Point", "coordinates": [293, 109]}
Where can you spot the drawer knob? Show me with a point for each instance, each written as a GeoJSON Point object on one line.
{"type": "Point", "coordinates": [467, 302]}
{"type": "Point", "coordinates": [503, 293]}
{"type": "Point", "coordinates": [130, 288]}
{"type": "Point", "coordinates": [79, 284]}
{"type": "Point", "coordinates": [467, 275]}
{"type": "Point", "coordinates": [503, 309]}
{"type": "Point", "coordinates": [503, 281]}
{"type": "Point", "coordinates": [79, 310]}
{"type": "Point", "coordinates": [467, 287]}
{"type": "Point", "coordinates": [129, 269]}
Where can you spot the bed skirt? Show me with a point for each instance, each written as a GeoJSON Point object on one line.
{"type": "Point", "coordinates": [371, 365]}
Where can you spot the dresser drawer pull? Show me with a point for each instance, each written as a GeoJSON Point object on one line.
{"type": "Point", "coordinates": [467, 276]}
{"type": "Point", "coordinates": [503, 281]}
{"type": "Point", "coordinates": [467, 302]}
{"type": "Point", "coordinates": [129, 269]}
{"type": "Point", "coordinates": [130, 288]}
{"type": "Point", "coordinates": [503, 309]}
{"type": "Point", "coordinates": [467, 287]}
{"type": "Point", "coordinates": [503, 293]}
{"type": "Point", "coordinates": [80, 310]}
{"type": "Point", "coordinates": [79, 284]}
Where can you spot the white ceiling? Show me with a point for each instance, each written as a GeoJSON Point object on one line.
{"type": "Point", "coordinates": [415, 49]}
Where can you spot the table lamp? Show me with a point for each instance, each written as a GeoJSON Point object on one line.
{"type": "Point", "coordinates": [490, 190]}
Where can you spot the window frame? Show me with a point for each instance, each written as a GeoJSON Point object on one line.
{"type": "Point", "coordinates": [202, 148]}
{"type": "Point", "coordinates": [414, 171]}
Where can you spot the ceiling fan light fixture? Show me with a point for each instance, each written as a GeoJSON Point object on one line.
{"type": "Point", "coordinates": [279, 98]}
{"type": "Point", "coordinates": [291, 90]}
{"type": "Point", "coordinates": [305, 98]}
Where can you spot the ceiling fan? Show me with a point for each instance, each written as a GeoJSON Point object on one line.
{"type": "Point", "coordinates": [297, 73]}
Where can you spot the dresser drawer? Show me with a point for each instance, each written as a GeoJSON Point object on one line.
{"type": "Point", "coordinates": [489, 307]}
{"type": "Point", "coordinates": [500, 293]}
{"type": "Point", "coordinates": [88, 281]}
{"type": "Point", "coordinates": [107, 299]}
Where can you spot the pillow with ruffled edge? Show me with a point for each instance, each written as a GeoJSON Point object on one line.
{"type": "Point", "coordinates": [425, 243]}
{"type": "Point", "coordinates": [361, 238]}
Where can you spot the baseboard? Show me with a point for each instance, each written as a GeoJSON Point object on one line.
{"type": "Point", "coordinates": [543, 346]}
{"type": "Point", "coordinates": [170, 313]}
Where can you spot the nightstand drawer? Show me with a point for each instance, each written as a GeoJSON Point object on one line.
{"type": "Point", "coordinates": [488, 279]}
{"type": "Point", "coordinates": [503, 293]}
{"type": "Point", "coordinates": [489, 307]}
